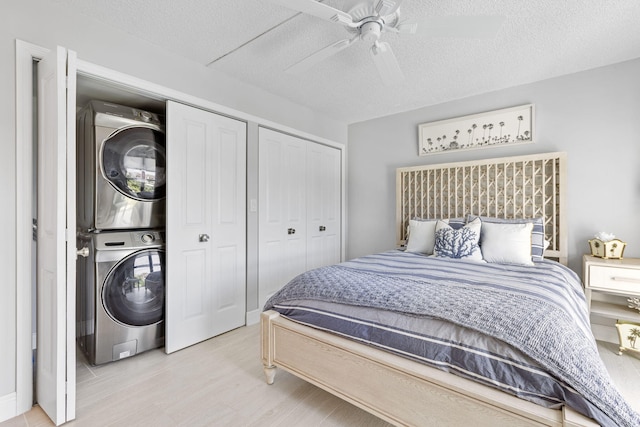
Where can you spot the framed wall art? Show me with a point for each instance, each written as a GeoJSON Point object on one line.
{"type": "Point", "coordinates": [497, 128]}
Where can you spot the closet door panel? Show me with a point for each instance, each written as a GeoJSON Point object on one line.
{"type": "Point", "coordinates": [282, 211]}
{"type": "Point", "coordinates": [323, 205]}
{"type": "Point", "coordinates": [293, 170]}
{"type": "Point", "coordinates": [205, 225]}
{"type": "Point", "coordinates": [55, 358]}
{"type": "Point", "coordinates": [188, 310]}
{"type": "Point", "coordinates": [229, 229]}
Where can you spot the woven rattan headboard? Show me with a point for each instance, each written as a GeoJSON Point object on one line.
{"type": "Point", "coordinates": [509, 187]}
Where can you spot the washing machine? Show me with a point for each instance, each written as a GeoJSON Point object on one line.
{"type": "Point", "coordinates": [120, 168]}
{"type": "Point", "coordinates": [120, 294]}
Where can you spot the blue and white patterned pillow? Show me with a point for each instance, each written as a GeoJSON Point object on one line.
{"type": "Point", "coordinates": [458, 243]}
{"type": "Point", "coordinates": [537, 234]}
{"type": "Point", "coordinates": [421, 233]}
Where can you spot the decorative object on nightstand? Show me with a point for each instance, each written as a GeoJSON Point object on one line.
{"type": "Point", "coordinates": [629, 334]}
{"type": "Point", "coordinates": [606, 246]}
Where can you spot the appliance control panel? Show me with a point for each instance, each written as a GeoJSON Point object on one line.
{"type": "Point", "coordinates": [148, 237]}
{"type": "Point", "coordinates": [145, 116]}
{"type": "Point", "coordinates": [104, 110]}
{"type": "Point", "coordinates": [129, 239]}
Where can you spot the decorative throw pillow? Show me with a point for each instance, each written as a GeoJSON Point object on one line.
{"type": "Point", "coordinates": [422, 236]}
{"type": "Point", "coordinates": [422, 233]}
{"type": "Point", "coordinates": [537, 234]}
{"type": "Point", "coordinates": [506, 243]}
{"type": "Point", "coordinates": [460, 243]}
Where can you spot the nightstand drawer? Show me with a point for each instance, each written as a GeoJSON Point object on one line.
{"type": "Point", "coordinates": [619, 279]}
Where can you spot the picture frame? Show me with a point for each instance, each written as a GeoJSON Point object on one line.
{"type": "Point", "coordinates": [497, 128]}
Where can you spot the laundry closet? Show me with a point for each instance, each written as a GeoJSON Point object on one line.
{"type": "Point", "coordinates": [161, 218]}
{"type": "Point", "coordinates": [121, 188]}
{"type": "Point", "coordinates": [157, 180]}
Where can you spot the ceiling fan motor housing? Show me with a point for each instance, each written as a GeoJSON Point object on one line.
{"type": "Point", "coordinates": [370, 31]}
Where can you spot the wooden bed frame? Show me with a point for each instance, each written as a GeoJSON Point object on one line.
{"type": "Point", "coordinates": [405, 392]}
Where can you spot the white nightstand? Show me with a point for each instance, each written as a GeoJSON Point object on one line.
{"type": "Point", "coordinates": [607, 285]}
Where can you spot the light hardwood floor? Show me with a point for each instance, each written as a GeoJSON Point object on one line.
{"type": "Point", "coordinates": [220, 383]}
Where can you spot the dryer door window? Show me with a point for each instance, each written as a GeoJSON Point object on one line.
{"type": "Point", "coordinates": [133, 292]}
{"type": "Point", "coordinates": [133, 161]}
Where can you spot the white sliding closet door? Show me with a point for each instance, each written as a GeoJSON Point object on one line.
{"type": "Point", "coordinates": [323, 205]}
{"type": "Point", "coordinates": [206, 227]}
{"type": "Point", "coordinates": [55, 363]}
{"type": "Point", "coordinates": [282, 211]}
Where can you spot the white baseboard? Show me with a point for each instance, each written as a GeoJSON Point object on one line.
{"type": "Point", "coordinates": [8, 406]}
{"type": "Point", "coordinates": [253, 317]}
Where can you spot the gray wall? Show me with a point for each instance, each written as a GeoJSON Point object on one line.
{"type": "Point", "coordinates": [594, 116]}
{"type": "Point", "coordinates": [43, 23]}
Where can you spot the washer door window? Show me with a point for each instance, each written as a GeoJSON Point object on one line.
{"type": "Point", "coordinates": [133, 292]}
{"type": "Point", "coordinates": [133, 161]}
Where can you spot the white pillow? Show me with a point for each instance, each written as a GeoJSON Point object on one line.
{"type": "Point", "coordinates": [422, 236]}
{"type": "Point", "coordinates": [507, 243]}
{"type": "Point", "coordinates": [458, 243]}
{"type": "Point", "coordinates": [537, 235]}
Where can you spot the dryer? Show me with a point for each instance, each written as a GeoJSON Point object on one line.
{"type": "Point", "coordinates": [120, 168]}
{"type": "Point", "coordinates": [120, 294]}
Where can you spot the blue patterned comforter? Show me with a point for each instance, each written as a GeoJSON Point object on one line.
{"type": "Point", "coordinates": [539, 311]}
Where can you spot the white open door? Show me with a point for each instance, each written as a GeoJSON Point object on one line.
{"type": "Point", "coordinates": [206, 225]}
{"type": "Point", "coordinates": [55, 362]}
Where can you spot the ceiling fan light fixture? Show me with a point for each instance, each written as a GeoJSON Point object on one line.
{"type": "Point", "coordinates": [370, 31]}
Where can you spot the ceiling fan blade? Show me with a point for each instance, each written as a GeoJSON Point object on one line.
{"type": "Point", "coordinates": [461, 26]}
{"type": "Point", "coordinates": [386, 63]}
{"type": "Point", "coordinates": [404, 27]}
{"type": "Point", "coordinates": [319, 56]}
{"type": "Point", "coordinates": [319, 10]}
{"type": "Point", "coordinates": [387, 7]}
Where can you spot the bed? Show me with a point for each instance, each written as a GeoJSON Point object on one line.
{"type": "Point", "coordinates": [466, 365]}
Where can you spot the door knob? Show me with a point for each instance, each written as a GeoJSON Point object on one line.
{"type": "Point", "coordinates": [84, 252]}
{"type": "Point", "coordinates": [322, 228]}
{"type": "Point", "coordinates": [291, 231]}
{"type": "Point", "coordinates": [203, 238]}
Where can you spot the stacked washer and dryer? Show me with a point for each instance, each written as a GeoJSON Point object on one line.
{"type": "Point", "coordinates": [121, 204]}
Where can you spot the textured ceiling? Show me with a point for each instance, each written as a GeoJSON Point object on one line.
{"type": "Point", "coordinates": [255, 40]}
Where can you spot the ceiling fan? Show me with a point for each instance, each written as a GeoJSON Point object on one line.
{"type": "Point", "coordinates": [367, 20]}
